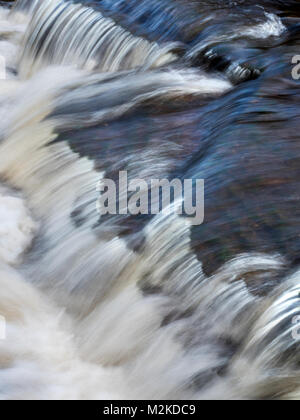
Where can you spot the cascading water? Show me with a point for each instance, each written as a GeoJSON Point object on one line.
{"type": "Point", "coordinates": [149, 307]}
{"type": "Point", "coordinates": [64, 33]}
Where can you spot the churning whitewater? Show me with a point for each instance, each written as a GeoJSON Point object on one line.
{"type": "Point", "coordinates": [124, 307]}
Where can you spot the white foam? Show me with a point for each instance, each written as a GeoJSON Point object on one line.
{"type": "Point", "coordinates": [16, 229]}
{"type": "Point", "coordinates": [272, 27]}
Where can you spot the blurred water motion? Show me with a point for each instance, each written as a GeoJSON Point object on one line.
{"type": "Point", "coordinates": [133, 307]}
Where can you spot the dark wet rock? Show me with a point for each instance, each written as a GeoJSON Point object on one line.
{"type": "Point", "coordinates": [236, 72]}
{"type": "Point", "coordinates": [6, 3]}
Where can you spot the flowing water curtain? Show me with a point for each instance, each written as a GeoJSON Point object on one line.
{"type": "Point", "coordinates": [214, 328]}
{"type": "Point", "coordinates": [64, 33]}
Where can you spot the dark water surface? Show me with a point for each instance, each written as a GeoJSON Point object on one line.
{"type": "Point", "coordinates": [245, 144]}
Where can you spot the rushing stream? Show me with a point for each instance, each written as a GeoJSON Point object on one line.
{"type": "Point", "coordinates": [144, 306]}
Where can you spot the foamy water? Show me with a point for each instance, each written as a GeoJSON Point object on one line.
{"type": "Point", "coordinates": [80, 320]}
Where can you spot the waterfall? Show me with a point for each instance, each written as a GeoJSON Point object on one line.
{"type": "Point", "coordinates": [144, 307]}
{"type": "Point", "coordinates": [65, 33]}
